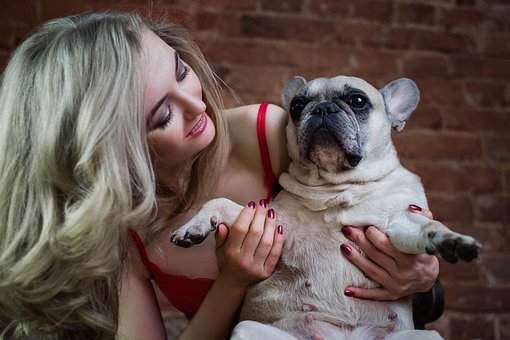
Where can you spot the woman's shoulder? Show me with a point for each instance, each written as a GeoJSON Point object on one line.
{"type": "Point", "coordinates": [242, 123]}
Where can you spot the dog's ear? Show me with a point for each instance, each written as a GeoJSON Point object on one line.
{"type": "Point", "coordinates": [290, 89]}
{"type": "Point", "coordinates": [401, 97]}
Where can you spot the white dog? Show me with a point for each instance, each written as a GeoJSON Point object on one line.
{"type": "Point", "coordinates": [344, 171]}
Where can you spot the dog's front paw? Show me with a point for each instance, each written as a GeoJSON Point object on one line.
{"type": "Point", "coordinates": [193, 232]}
{"type": "Point", "coordinates": [453, 246]}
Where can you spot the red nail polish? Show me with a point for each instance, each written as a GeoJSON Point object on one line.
{"type": "Point", "coordinates": [251, 204]}
{"type": "Point", "coordinates": [263, 203]}
{"type": "Point", "coordinates": [270, 213]}
{"type": "Point", "coordinates": [414, 207]}
{"type": "Point", "coordinates": [346, 230]}
{"type": "Point", "coordinates": [348, 292]}
{"type": "Point", "coordinates": [346, 249]}
{"type": "Point", "coordinates": [279, 229]}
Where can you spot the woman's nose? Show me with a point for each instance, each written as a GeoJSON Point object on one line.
{"type": "Point", "coordinates": [192, 105]}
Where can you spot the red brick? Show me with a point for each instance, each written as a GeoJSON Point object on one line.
{"type": "Point", "coordinates": [474, 327]}
{"type": "Point", "coordinates": [327, 58]}
{"type": "Point", "coordinates": [287, 28]}
{"type": "Point", "coordinates": [497, 148]}
{"type": "Point", "coordinates": [504, 327]}
{"type": "Point", "coordinates": [477, 298]}
{"type": "Point", "coordinates": [425, 66]}
{"type": "Point", "coordinates": [6, 36]}
{"type": "Point", "coordinates": [214, 23]}
{"type": "Point", "coordinates": [426, 116]}
{"type": "Point", "coordinates": [445, 92]}
{"type": "Point", "coordinates": [19, 12]}
{"type": "Point", "coordinates": [493, 208]}
{"type": "Point", "coordinates": [416, 13]}
{"type": "Point", "coordinates": [475, 66]}
{"type": "Point", "coordinates": [455, 178]}
{"type": "Point", "coordinates": [434, 146]}
{"type": "Point", "coordinates": [282, 6]}
{"type": "Point", "coordinates": [426, 39]}
{"type": "Point", "coordinates": [360, 33]}
{"type": "Point", "coordinates": [249, 52]}
{"type": "Point", "coordinates": [378, 11]}
{"type": "Point", "coordinates": [497, 268]}
{"type": "Point", "coordinates": [374, 64]}
{"type": "Point", "coordinates": [477, 120]}
{"type": "Point", "coordinates": [338, 8]}
{"type": "Point", "coordinates": [487, 93]}
{"type": "Point", "coordinates": [260, 81]}
{"type": "Point", "coordinates": [461, 18]}
{"type": "Point", "coordinates": [496, 45]}
{"type": "Point", "coordinates": [451, 208]}
{"type": "Point", "coordinates": [238, 5]}
{"type": "Point", "coordinates": [51, 9]}
{"type": "Point", "coordinates": [462, 271]}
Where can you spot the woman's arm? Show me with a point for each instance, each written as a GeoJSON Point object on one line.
{"type": "Point", "coordinates": [139, 314]}
{"type": "Point", "coordinates": [248, 255]}
{"type": "Point", "coordinates": [399, 274]}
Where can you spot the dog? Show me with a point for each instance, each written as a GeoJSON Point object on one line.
{"type": "Point", "coordinates": [344, 171]}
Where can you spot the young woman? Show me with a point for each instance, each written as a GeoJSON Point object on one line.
{"type": "Point", "coordinates": [112, 134]}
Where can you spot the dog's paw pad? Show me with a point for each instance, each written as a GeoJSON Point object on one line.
{"type": "Point", "coordinates": [454, 247]}
{"type": "Point", "coordinates": [189, 237]}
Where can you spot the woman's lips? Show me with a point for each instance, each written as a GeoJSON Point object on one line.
{"type": "Point", "coordinates": [199, 127]}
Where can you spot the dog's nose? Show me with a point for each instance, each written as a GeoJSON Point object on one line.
{"type": "Point", "coordinates": [326, 108]}
{"type": "Point", "coordinates": [353, 159]}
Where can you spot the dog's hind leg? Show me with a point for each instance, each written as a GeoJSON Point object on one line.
{"type": "Point", "coordinates": [250, 330]}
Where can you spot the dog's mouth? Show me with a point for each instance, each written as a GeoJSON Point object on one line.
{"type": "Point", "coordinates": [330, 141]}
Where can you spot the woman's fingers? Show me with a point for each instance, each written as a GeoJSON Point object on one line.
{"type": "Point", "coordinates": [240, 227]}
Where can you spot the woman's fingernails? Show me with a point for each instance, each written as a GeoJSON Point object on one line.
{"type": "Point", "coordinates": [346, 249]}
{"type": "Point", "coordinates": [348, 292]}
{"type": "Point", "coordinates": [270, 213]}
{"type": "Point", "coordinates": [251, 204]}
{"type": "Point", "coordinates": [414, 207]}
{"type": "Point", "coordinates": [263, 203]}
{"type": "Point", "coordinates": [346, 230]}
{"type": "Point", "coordinates": [279, 229]}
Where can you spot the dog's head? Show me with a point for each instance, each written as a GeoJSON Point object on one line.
{"type": "Point", "coordinates": [335, 123]}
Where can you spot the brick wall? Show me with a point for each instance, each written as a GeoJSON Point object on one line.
{"type": "Point", "coordinates": [458, 52]}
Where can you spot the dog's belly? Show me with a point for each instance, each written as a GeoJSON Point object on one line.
{"type": "Point", "coordinates": [310, 280]}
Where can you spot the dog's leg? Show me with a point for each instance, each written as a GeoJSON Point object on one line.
{"type": "Point", "coordinates": [249, 330]}
{"type": "Point", "coordinates": [212, 213]}
{"type": "Point", "coordinates": [418, 234]}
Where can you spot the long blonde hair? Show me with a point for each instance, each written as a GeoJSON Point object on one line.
{"type": "Point", "coordinates": [75, 170]}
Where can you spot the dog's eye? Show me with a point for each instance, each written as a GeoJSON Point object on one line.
{"type": "Point", "coordinates": [296, 107]}
{"type": "Point", "coordinates": [357, 101]}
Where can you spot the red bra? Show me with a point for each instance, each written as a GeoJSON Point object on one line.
{"type": "Point", "coordinates": [182, 292]}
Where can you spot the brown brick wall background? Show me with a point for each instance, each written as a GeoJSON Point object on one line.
{"type": "Point", "coordinates": [458, 52]}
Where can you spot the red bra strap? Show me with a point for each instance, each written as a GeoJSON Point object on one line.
{"type": "Point", "coordinates": [139, 245]}
{"type": "Point", "coordinates": [269, 177]}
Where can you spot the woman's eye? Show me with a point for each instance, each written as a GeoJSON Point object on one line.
{"type": "Point", "coordinates": [357, 101]}
{"type": "Point", "coordinates": [184, 71]}
{"type": "Point", "coordinates": [167, 118]}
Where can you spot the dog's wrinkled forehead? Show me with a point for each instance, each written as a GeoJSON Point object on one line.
{"type": "Point", "coordinates": [328, 88]}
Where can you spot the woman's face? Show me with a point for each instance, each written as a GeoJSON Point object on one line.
{"type": "Point", "coordinates": [178, 125]}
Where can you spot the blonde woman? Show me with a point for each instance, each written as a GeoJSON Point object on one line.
{"type": "Point", "coordinates": [112, 134]}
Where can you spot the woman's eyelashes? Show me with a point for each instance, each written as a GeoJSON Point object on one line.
{"type": "Point", "coordinates": [183, 72]}
{"type": "Point", "coordinates": [166, 119]}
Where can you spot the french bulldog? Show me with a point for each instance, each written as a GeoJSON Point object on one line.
{"type": "Point", "coordinates": [344, 171]}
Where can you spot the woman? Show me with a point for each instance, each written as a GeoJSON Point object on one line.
{"type": "Point", "coordinates": [112, 134]}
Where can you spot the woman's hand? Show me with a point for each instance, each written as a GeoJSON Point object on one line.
{"type": "Point", "coordinates": [249, 250]}
{"type": "Point", "coordinates": [399, 274]}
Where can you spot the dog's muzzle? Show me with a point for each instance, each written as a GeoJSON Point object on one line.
{"type": "Point", "coordinates": [329, 130]}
